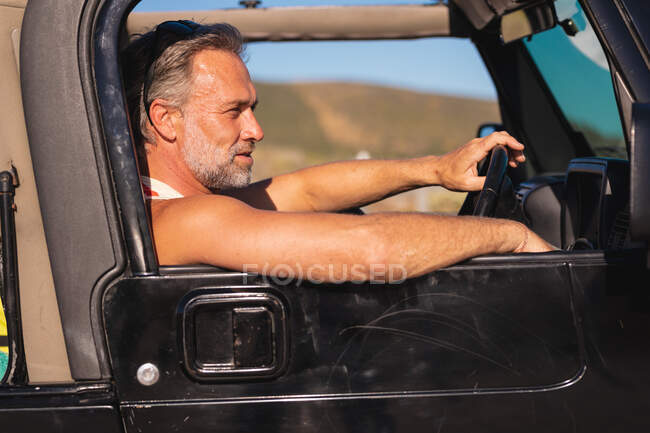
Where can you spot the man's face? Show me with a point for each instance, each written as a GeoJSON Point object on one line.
{"type": "Point", "coordinates": [218, 130]}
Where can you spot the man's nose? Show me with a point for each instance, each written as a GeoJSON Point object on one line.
{"type": "Point", "coordinates": [252, 131]}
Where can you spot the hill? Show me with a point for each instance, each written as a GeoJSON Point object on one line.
{"type": "Point", "coordinates": [311, 123]}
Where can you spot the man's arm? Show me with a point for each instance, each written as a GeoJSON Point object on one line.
{"type": "Point", "coordinates": [343, 185]}
{"type": "Point", "coordinates": [226, 232]}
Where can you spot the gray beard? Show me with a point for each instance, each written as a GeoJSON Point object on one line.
{"type": "Point", "coordinates": [220, 177]}
{"type": "Point", "coordinates": [215, 167]}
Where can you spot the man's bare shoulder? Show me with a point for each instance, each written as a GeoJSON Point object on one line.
{"type": "Point", "coordinates": [198, 209]}
{"type": "Point", "coordinates": [179, 225]}
{"type": "Point", "coordinates": [195, 202]}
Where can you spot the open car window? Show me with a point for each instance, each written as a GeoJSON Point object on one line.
{"type": "Point", "coordinates": [322, 101]}
{"type": "Point", "coordinates": [369, 99]}
{"type": "Point", "coordinates": [576, 70]}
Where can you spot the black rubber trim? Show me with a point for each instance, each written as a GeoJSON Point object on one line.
{"type": "Point", "coordinates": [86, 389]}
{"type": "Point", "coordinates": [640, 172]}
{"type": "Point", "coordinates": [635, 25]}
{"type": "Point", "coordinates": [94, 122]}
{"type": "Point", "coordinates": [620, 46]}
{"type": "Point", "coordinates": [117, 135]}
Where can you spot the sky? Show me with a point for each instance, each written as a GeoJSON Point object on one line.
{"type": "Point", "coordinates": [437, 65]}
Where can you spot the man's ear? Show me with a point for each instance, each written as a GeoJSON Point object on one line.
{"type": "Point", "coordinates": [161, 116]}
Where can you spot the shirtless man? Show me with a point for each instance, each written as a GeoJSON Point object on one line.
{"type": "Point", "coordinates": [196, 131]}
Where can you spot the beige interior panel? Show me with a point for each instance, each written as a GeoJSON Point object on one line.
{"type": "Point", "coordinates": [47, 360]}
{"type": "Point", "coordinates": [14, 3]}
{"type": "Point", "coordinates": [315, 23]}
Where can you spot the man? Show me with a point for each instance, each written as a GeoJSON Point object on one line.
{"type": "Point", "coordinates": [192, 102]}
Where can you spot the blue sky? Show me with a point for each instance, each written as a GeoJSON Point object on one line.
{"type": "Point", "coordinates": [438, 65]}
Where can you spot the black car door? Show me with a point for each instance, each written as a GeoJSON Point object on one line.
{"type": "Point", "coordinates": [230, 352]}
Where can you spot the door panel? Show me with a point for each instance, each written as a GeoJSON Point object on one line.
{"type": "Point", "coordinates": [464, 330]}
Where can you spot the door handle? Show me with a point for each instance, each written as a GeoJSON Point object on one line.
{"type": "Point", "coordinates": [229, 335]}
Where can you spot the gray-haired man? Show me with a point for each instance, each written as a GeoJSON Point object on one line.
{"type": "Point", "coordinates": [192, 101]}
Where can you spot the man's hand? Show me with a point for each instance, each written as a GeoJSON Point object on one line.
{"type": "Point", "coordinates": [532, 243]}
{"type": "Point", "coordinates": [457, 170]}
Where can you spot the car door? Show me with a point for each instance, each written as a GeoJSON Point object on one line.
{"type": "Point", "coordinates": [232, 352]}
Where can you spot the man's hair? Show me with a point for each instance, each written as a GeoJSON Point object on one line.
{"type": "Point", "coordinates": [171, 71]}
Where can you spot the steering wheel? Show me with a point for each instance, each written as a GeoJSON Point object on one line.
{"type": "Point", "coordinates": [494, 178]}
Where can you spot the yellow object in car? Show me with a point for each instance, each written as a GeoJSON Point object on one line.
{"type": "Point", "coordinates": [3, 332]}
{"type": "Point", "coordinates": [4, 349]}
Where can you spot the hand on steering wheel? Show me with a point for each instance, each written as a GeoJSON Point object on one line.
{"type": "Point", "coordinates": [457, 170]}
{"type": "Point", "coordinates": [494, 178]}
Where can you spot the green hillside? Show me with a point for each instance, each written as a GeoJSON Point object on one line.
{"type": "Point", "coordinates": [312, 123]}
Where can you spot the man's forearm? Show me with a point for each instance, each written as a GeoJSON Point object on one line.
{"type": "Point", "coordinates": [422, 243]}
{"type": "Point", "coordinates": [346, 184]}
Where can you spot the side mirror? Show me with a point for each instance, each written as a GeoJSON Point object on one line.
{"type": "Point", "coordinates": [488, 128]}
{"type": "Point", "coordinates": [640, 173]}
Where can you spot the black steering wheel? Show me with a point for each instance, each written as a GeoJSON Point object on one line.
{"type": "Point", "coordinates": [494, 179]}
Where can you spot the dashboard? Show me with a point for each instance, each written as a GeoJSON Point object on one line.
{"type": "Point", "coordinates": [586, 208]}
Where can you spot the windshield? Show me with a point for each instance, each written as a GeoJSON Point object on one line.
{"type": "Point", "coordinates": [575, 69]}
